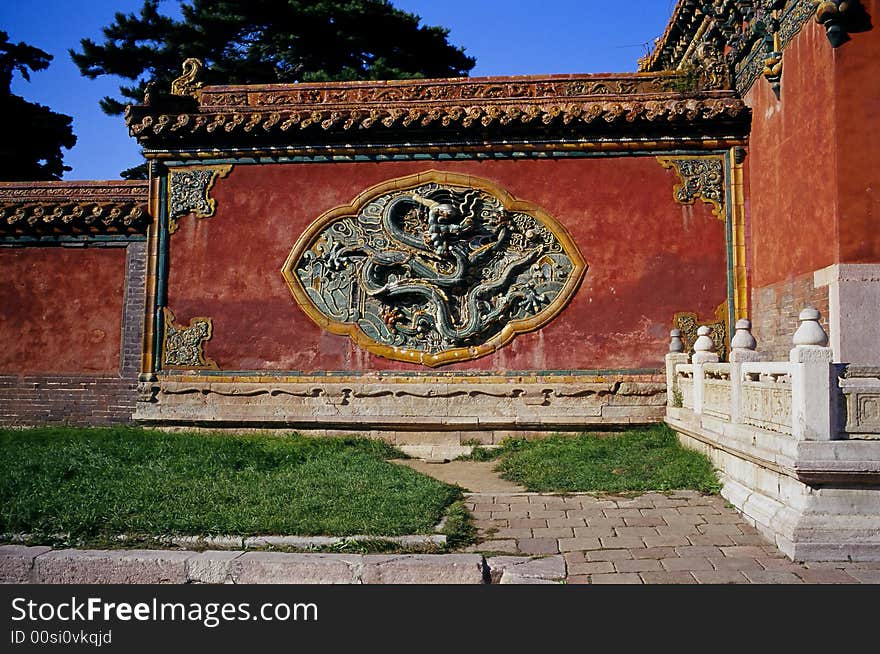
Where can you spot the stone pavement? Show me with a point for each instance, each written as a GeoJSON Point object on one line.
{"type": "Point", "coordinates": [682, 537]}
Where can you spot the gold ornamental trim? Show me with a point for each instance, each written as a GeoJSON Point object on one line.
{"type": "Point", "coordinates": [38, 209]}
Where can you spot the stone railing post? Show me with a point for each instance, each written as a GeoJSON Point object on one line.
{"type": "Point", "coordinates": [811, 391]}
{"type": "Point", "coordinates": [742, 349]}
{"type": "Point", "coordinates": [675, 356]}
{"type": "Point", "coordinates": [704, 352]}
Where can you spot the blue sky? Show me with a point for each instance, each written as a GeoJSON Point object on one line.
{"type": "Point", "coordinates": [514, 37]}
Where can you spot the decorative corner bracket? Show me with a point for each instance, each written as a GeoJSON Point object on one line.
{"type": "Point", "coordinates": [184, 347]}
{"type": "Point", "coordinates": [689, 322]}
{"type": "Point", "coordinates": [772, 69]}
{"type": "Point", "coordinates": [189, 190]}
{"type": "Point", "coordinates": [839, 18]}
{"type": "Point", "coordinates": [188, 83]}
{"type": "Point", "coordinates": [701, 177]}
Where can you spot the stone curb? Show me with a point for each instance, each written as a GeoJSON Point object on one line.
{"type": "Point", "coordinates": [526, 570]}
{"type": "Point", "coordinates": [251, 542]}
{"type": "Point", "coordinates": [41, 565]}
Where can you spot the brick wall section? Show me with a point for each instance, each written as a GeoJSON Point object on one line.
{"type": "Point", "coordinates": [133, 311]}
{"type": "Point", "coordinates": [775, 310]}
{"type": "Point", "coordinates": [80, 400]}
{"type": "Point", "coordinates": [85, 400]}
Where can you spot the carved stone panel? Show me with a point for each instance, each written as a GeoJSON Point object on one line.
{"type": "Point", "coordinates": [860, 388]}
{"type": "Point", "coordinates": [434, 268]}
{"type": "Point", "coordinates": [716, 393]}
{"type": "Point", "coordinates": [767, 405]}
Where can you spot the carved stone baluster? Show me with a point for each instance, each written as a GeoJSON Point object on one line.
{"type": "Point", "coordinates": [743, 344]}
{"type": "Point", "coordinates": [704, 352]}
{"type": "Point", "coordinates": [812, 403]}
{"type": "Point", "coordinates": [810, 332]}
{"type": "Point", "coordinates": [676, 356]}
{"type": "Point", "coordinates": [704, 347]}
{"type": "Point", "coordinates": [742, 348]}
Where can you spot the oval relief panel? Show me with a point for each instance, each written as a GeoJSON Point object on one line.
{"type": "Point", "coordinates": [434, 268]}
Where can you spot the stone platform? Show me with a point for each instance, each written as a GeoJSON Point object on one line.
{"type": "Point", "coordinates": [442, 412]}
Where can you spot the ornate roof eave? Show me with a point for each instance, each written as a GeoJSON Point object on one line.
{"type": "Point", "coordinates": [421, 110]}
{"type": "Point", "coordinates": [686, 22]}
{"type": "Point", "coordinates": [105, 208]}
{"type": "Point", "coordinates": [747, 37]}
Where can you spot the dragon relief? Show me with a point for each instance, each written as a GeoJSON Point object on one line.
{"type": "Point", "coordinates": [434, 268]}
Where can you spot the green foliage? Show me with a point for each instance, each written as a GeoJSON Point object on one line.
{"type": "Point", "coordinates": [141, 171]}
{"type": "Point", "coordinates": [459, 527]}
{"type": "Point", "coordinates": [677, 398]}
{"type": "Point", "coordinates": [646, 460]}
{"type": "Point", "coordinates": [34, 136]}
{"type": "Point", "coordinates": [269, 41]}
{"type": "Point", "coordinates": [481, 454]}
{"type": "Point", "coordinates": [93, 484]}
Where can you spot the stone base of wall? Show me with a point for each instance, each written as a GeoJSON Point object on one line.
{"type": "Point", "coordinates": [816, 500]}
{"type": "Point", "coordinates": [775, 310]}
{"type": "Point", "coordinates": [405, 411]}
{"type": "Point", "coordinates": [76, 400]}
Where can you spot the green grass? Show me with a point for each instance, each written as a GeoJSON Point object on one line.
{"type": "Point", "coordinates": [93, 484]}
{"type": "Point", "coordinates": [480, 454]}
{"type": "Point", "coordinates": [459, 527]}
{"type": "Point", "coordinates": [644, 460]}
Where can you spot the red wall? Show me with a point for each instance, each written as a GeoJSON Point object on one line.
{"type": "Point", "coordinates": [857, 114]}
{"type": "Point", "coordinates": [791, 164]}
{"type": "Point", "coordinates": [61, 309]}
{"type": "Point", "coordinates": [812, 164]}
{"type": "Point", "coordinates": [648, 258]}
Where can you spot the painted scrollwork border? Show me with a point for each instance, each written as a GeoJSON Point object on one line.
{"type": "Point", "coordinates": [507, 333]}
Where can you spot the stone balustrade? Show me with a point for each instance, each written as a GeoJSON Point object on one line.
{"type": "Point", "coordinates": [782, 397]}
{"type": "Point", "coordinates": [795, 442]}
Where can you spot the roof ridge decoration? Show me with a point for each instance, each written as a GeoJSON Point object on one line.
{"type": "Point", "coordinates": [751, 34]}
{"type": "Point", "coordinates": [468, 108]}
{"type": "Point", "coordinates": [187, 83]}
{"type": "Point", "coordinates": [101, 208]}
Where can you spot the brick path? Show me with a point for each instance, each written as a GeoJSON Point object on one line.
{"type": "Point", "coordinates": [682, 537]}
